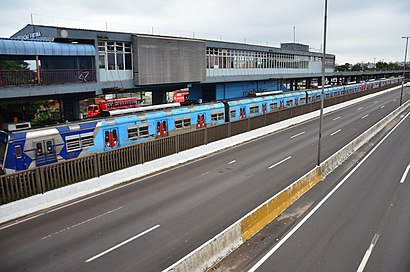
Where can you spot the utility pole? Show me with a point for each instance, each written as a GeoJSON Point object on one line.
{"type": "Point", "coordinates": [404, 69]}
{"type": "Point", "coordinates": [323, 84]}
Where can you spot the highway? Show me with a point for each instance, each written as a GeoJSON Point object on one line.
{"type": "Point", "coordinates": [362, 224]}
{"type": "Point", "coordinates": [149, 224]}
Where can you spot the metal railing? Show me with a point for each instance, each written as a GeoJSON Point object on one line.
{"type": "Point", "coordinates": [45, 178]}
{"type": "Point", "coordinates": [22, 78]}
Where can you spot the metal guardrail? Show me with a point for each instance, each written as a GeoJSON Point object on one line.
{"type": "Point", "coordinates": [13, 78]}
{"type": "Point", "coordinates": [41, 179]}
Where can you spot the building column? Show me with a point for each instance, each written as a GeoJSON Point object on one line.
{"type": "Point", "coordinates": [71, 109]}
{"type": "Point", "coordinates": [158, 98]}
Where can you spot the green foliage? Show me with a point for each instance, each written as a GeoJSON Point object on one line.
{"type": "Point", "coordinates": [14, 65]}
{"type": "Point", "coordinates": [343, 68]}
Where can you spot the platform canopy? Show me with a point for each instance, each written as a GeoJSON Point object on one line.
{"type": "Point", "coordinates": [19, 47]}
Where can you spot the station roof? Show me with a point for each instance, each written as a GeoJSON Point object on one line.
{"type": "Point", "coordinates": [44, 48]}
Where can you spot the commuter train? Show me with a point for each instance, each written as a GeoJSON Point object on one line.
{"type": "Point", "coordinates": [22, 147]}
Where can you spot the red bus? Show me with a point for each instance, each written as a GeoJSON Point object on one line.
{"type": "Point", "coordinates": [112, 104]}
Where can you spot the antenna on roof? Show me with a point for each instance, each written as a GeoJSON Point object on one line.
{"type": "Point", "coordinates": [34, 28]}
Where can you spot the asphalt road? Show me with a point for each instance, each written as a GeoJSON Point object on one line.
{"type": "Point", "coordinates": [151, 223]}
{"type": "Point", "coordinates": [362, 224]}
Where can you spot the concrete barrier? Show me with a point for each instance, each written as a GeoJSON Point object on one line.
{"type": "Point", "coordinates": [210, 253]}
{"type": "Point", "coordinates": [265, 213]}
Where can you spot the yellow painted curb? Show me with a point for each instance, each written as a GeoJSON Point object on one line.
{"type": "Point", "coordinates": [268, 211]}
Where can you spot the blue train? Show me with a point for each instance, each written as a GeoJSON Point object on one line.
{"type": "Point", "coordinates": [22, 147]}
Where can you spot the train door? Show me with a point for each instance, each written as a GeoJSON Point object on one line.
{"type": "Point", "coordinates": [162, 128]}
{"type": "Point", "coordinates": [18, 152]}
{"type": "Point", "coordinates": [264, 108]}
{"type": "Point", "coordinates": [200, 123]}
{"type": "Point", "coordinates": [242, 113]}
{"type": "Point", "coordinates": [45, 152]}
{"type": "Point", "coordinates": [111, 138]}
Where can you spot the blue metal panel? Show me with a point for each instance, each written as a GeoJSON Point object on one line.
{"type": "Point", "coordinates": [41, 48]}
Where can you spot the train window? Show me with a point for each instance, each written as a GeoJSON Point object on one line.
{"type": "Point", "coordinates": [178, 123]}
{"type": "Point", "coordinates": [39, 149]}
{"type": "Point", "coordinates": [303, 100]}
{"type": "Point", "coordinates": [87, 139]}
{"type": "Point", "coordinates": [49, 146]}
{"type": "Point", "coordinates": [254, 109]}
{"type": "Point", "coordinates": [133, 133]}
{"type": "Point", "coordinates": [273, 106]}
{"type": "Point", "coordinates": [289, 103]}
{"type": "Point", "coordinates": [137, 132]}
{"type": "Point", "coordinates": [72, 143]}
{"type": "Point", "coordinates": [19, 155]}
{"type": "Point", "coordinates": [143, 131]}
{"type": "Point", "coordinates": [187, 121]}
{"type": "Point", "coordinates": [232, 113]}
{"type": "Point", "coordinates": [182, 122]}
{"type": "Point", "coordinates": [218, 116]}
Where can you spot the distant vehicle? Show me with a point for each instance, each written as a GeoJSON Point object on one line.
{"type": "Point", "coordinates": [180, 96]}
{"type": "Point", "coordinates": [111, 104]}
{"type": "Point", "coordinates": [407, 84]}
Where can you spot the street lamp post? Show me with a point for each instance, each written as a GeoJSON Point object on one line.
{"type": "Point", "coordinates": [323, 85]}
{"type": "Point", "coordinates": [404, 69]}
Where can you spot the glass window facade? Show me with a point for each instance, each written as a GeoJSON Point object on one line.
{"type": "Point", "coordinates": [114, 55]}
{"type": "Point", "coordinates": [240, 59]}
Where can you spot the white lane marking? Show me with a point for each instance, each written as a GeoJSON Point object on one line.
{"type": "Point", "coordinates": [394, 100]}
{"type": "Point", "coordinates": [206, 173]}
{"type": "Point", "coordinates": [337, 118]}
{"type": "Point", "coordinates": [81, 223]}
{"type": "Point", "coordinates": [121, 244]}
{"type": "Point", "coordinates": [365, 116]}
{"type": "Point", "coordinates": [306, 218]}
{"type": "Point", "coordinates": [232, 162]}
{"type": "Point", "coordinates": [337, 131]}
{"type": "Point", "coordinates": [294, 136]}
{"type": "Point", "coordinates": [382, 107]}
{"type": "Point", "coordinates": [403, 178]}
{"type": "Point", "coordinates": [360, 108]}
{"type": "Point", "coordinates": [375, 102]}
{"type": "Point", "coordinates": [368, 253]}
{"type": "Point", "coordinates": [282, 161]}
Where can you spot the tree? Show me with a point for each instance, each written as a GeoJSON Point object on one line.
{"type": "Point", "coordinates": [357, 67]}
{"type": "Point", "coordinates": [343, 68]}
{"type": "Point", "coordinates": [14, 65]}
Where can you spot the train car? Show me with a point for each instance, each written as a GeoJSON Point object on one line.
{"type": "Point", "coordinates": [27, 148]}
{"type": "Point", "coordinates": [22, 147]}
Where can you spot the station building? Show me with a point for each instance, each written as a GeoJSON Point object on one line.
{"type": "Point", "coordinates": [91, 62]}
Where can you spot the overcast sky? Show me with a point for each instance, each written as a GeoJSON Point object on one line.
{"type": "Point", "coordinates": [358, 30]}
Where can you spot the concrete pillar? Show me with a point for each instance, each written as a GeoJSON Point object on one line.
{"type": "Point", "coordinates": [308, 83]}
{"type": "Point", "coordinates": [158, 97]}
{"type": "Point", "coordinates": [71, 109]}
